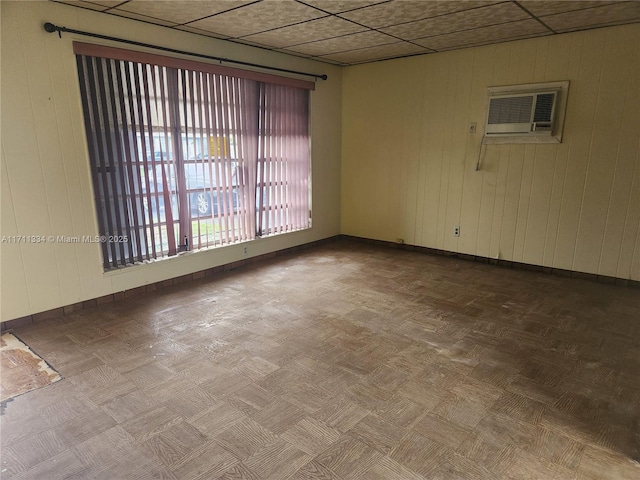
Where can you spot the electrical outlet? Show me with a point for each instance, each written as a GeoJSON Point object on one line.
{"type": "Point", "coordinates": [472, 127]}
{"type": "Point", "coordinates": [456, 230]}
{"type": "Point", "coordinates": [245, 251]}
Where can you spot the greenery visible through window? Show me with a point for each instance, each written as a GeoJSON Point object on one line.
{"type": "Point", "coordinates": [186, 159]}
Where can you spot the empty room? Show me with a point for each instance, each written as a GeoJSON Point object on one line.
{"type": "Point", "coordinates": [320, 239]}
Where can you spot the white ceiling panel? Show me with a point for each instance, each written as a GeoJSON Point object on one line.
{"type": "Point", "coordinates": [349, 32]}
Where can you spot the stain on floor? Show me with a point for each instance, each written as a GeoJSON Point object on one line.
{"type": "Point", "coordinates": [21, 369]}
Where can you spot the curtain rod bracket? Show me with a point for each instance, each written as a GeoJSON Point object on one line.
{"type": "Point", "coordinates": [50, 28]}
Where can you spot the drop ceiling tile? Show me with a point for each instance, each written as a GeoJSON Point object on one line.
{"type": "Point", "coordinates": [183, 11]}
{"type": "Point", "coordinates": [550, 7]}
{"type": "Point", "coordinates": [82, 4]}
{"type": "Point", "coordinates": [137, 16]}
{"type": "Point", "coordinates": [341, 44]}
{"type": "Point", "coordinates": [624, 12]}
{"type": "Point", "coordinates": [337, 6]}
{"type": "Point", "coordinates": [315, 30]}
{"type": "Point", "coordinates": [187, 28]}
{"type": "Point", "coordinates": [289, 52]}
{"type": "Point", "coordinates": [258, 17]}
{"type": "Point", "coordinates": [108, 3]}
{"type": "Point", "coordinates": [339, 38]}
{"type": "Point", "coordinates": [371, 54]}
{"type": "Point", "coordinates": [485, 35]}
{"type": "Point", "coordinates": [403, 11]}
{"type": "Point", "coordinates": [479, 17]}
{"type": "Point", "coordinates": [328, 60]}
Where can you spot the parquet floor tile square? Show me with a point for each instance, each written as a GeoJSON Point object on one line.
{"type": "Point", "coordinates": [342, 362]}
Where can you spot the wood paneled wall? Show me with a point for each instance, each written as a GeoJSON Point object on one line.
{"type": "Point", "coordinates": [409, 160]}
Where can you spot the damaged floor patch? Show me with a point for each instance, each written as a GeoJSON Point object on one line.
{"type": "Point", "coordinates": [21, 369]}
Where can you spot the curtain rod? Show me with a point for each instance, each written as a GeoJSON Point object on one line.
{"type": "Point", "coordinates": [50, 27]}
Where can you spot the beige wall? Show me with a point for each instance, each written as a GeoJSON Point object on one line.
{"type": "Point", "coordinates": [46, 188]}
{"type": "Point", "coordinates": [408, 168]}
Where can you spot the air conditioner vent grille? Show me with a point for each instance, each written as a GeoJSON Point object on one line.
{"type": "Point", "coordinates": [510, 110]}
{"type": "Point", "coordinates": [544, 107]}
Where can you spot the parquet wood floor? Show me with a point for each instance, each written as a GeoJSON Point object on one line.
{"type": "Point", "coordinates": [348, 361]}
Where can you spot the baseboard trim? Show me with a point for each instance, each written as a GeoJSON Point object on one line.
{"type": "Point", "coordinates": [500, 263]}
{"type": "Point", "coordinates": [157, 286]}
{"type": "Point", "coordinates": [164, 284]}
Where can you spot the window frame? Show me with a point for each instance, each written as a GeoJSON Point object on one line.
{"type": "Point", "coordinates": [176, 153]}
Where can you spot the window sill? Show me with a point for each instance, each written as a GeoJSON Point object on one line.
{"type": "Point", "coordinates": [515, 139]}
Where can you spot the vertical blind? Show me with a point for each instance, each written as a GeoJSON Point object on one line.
{"type": "Point", "coordinates": [187, 158]}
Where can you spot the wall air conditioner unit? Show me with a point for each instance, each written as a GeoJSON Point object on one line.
{"type": "Point", "coordinates": [531, 113]}
{"type": "Point", "coordinates": [526, 113]}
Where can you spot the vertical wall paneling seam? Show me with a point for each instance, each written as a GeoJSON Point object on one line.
{"type": "Point", "coordinates": [464, 155]}
{"type": "Point", "coordinates": [495, 199]}
{"type": "Point", "coordinates": [510, 148]}
{"type": "Point", "coordinates": [504, 195]}
{"type": "Point", "coordinates": [441, 161]}
{"type": "Point", "coordinates": [634, 187]}
{"type": "Point", "coordinates": [453, 160]}
{"type": "Point", "coordinates": [482, 171]}
{"type": "Point", "coordinates": [446, 148]}
{"type": "Point", "coordinates": [517, 219]}
{"type": "Point", "coordinates": [526, 179]}
{"type": "Point", "coordinates": [546, 227]}
{"type": "Point", "coordinates": [568, 128]}
{"type": "Point", "coordinates": [20, 246]}
{"type": "Point", "coordinates": [611, 191]}
{"type": "Point", "coordinates": [518, 216]}
{"type": "Point", "coordinates": [504, 198]}
{"type": "Point", "coordinates": [478, 173]}
{"type": "Point", "coordinates": [544, 77]}
{"type": "Point", "coordinates": [422, 162]}
{"type": "Point", "coordinates": [421, 139]}
{"type": "Point", "coordinates": [528, 218]}
{"type": "Point", "coordinates": [423, 170]}
{"type": "Point", "coordinates": [30, 90]}
{"type": "Point", "coordinates": [423, 152]}
{"type": "Point", "coordinates": [504, 201]}
{"type": "Point", "coordinates": [636, 249]}
{"type": "Point", "coordinates": [636, 253]}
{"type": "Point", "coordinates": [13, 204]}
{"type": "Point", "coordinates": [636, 176]}
{"type": "Point", "coordinates": [547, 76]}
{"type": "Point", "coordinates": [56, 108]}
{"type": "Point", "coordinates": [62, 165]}
{"type": "Point", "coordinates": [586, 173]}
{"type": "Point", "coordinates": [438, 158]}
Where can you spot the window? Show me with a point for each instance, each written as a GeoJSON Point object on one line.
{"type": "Point", "coordinates": [532, 113]}
{"type": "Point", "coordinates": [186, 155]}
